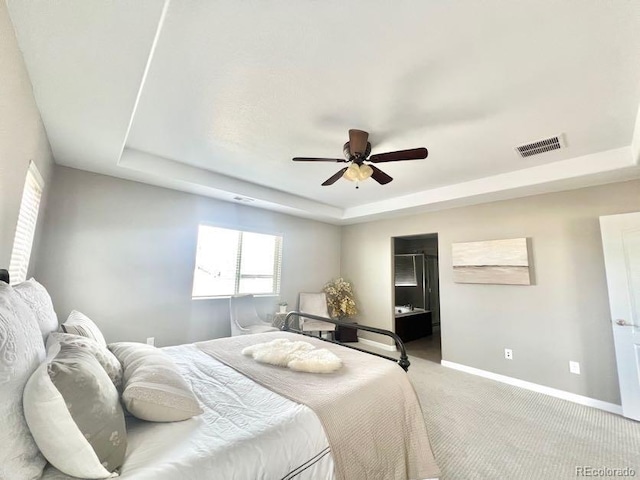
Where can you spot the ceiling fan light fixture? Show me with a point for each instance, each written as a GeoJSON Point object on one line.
{"type": "Point", "coordinates": [364, 172]}
{"type": "Point", "coordinates": [352, 173]}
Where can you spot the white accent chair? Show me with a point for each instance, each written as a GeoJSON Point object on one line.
{"type": "Point", "coordinates": [244, 318]}
{"type": "Point", "coordinates": [315, 304]}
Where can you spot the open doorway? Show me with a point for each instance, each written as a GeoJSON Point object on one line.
{"type": "Point", "coordinates": [416, 290]}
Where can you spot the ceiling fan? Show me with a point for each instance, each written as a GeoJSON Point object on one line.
{"type": "Point", "coordinates": [356, 151]}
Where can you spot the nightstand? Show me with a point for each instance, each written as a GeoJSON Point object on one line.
{"type": "Point", "coordinates": [346, 334]}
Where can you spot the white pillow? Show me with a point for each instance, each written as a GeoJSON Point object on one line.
{"type": "Point", "coordinates": [299, 356]}
{"type": "Point", "coordinates": [21, 351]}
{"type": "Point", "coordinates": [276, 352]}
{"type": "Point", "coordinates": [79, 324]}
{"type": "Point", "coordinates": [74, 413]}
{"type": "Point", "coordinates": [154, 389]}
{"type": "Point", "coordinates": [38, 299]}
{"type": "Point", "coordinates": [319, 360]}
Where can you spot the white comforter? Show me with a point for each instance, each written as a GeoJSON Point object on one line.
{"type": "Point", "coordinates": [245, 432]}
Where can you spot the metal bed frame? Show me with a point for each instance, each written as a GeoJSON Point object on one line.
{"type": "Point", "coordinates": [403, 361]}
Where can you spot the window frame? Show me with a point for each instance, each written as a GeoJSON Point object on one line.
{"type": "Point", "coordinates": [277, 270]}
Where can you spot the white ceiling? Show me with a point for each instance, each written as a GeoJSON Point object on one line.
{"type": "Point", "coordinates": [217, 97]}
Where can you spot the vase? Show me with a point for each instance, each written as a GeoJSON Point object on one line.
{"type": "Point", "coordinates": [283, 309]}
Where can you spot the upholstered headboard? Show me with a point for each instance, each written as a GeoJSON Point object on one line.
{"type": "Point", "coordinates": [4, 276]}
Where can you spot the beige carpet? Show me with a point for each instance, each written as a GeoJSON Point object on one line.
{"type": "Point", "coordinates": [482, 429]}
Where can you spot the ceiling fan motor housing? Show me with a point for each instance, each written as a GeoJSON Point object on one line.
{"type": "Point", "coordinates": [346, 150]}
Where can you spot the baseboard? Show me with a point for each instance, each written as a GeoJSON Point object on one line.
{"type": "Point", "coordinates": [372, 343]}
{"type": "Point", "coordinates": [572, 397]}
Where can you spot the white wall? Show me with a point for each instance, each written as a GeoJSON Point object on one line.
{"type": "Point", "coordinates": [564, 316]}
{"type": "Point", "coordinates": [124, 254]}
{"type": "Point", "coordinates": [22, 137]}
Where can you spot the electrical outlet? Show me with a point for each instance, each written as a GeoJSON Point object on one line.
{"type": "Point", "coordinates": [574, 367]}
{"type": "Point", "coordinates": [508, 354]}
{"type": "Point", "coordinates": [151, 341]}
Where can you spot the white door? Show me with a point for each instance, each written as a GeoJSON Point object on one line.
{"type": "Point", "coordinates": [621, 244]}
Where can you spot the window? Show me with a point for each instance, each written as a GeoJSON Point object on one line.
{"type": "Point", "coordinates": [26, 228]}
{"type": "Point", "coordinates": [230, 262]}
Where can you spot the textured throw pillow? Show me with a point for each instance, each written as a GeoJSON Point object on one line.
{"type": "Point", "coordinates": [79, 324]}
{"type": "Point", "coordinates": [104, 356]}
{"type": "Point", "coordinates": [38, 299]}
{"type": "Point", "coordinates": [154, 390]}
{"type": "Point", "coordinates": [299, 356]}
{"type": "Point", "coordinates": [21, 351]}
{"type": "Point", "coordinates": [74, 413]}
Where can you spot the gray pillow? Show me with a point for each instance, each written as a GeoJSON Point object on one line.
{"type": "Point", "coordinates": [21, 351]}
{"type": "Point", "coordinates": [74, 413]}
{"type": "Point", "coordinates": [104, 356]}
{"type": "Point", "coordinates": [154, 389]}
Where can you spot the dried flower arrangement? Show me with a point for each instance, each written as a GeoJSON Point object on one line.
{"type": "Point", "coordinates": [340, 298]}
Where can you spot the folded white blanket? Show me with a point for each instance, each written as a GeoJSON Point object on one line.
{"type": "Point", "coordinates": [300, 356]}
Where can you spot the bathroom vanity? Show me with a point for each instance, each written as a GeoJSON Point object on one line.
{"type": "Point", "coordinates": [412, 324]}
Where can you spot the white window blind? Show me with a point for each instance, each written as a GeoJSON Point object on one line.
{"type": "Point", "coordinates": [26, 228]}
{"type": "Point", "coordinates": [229, 262]}
{"type": "Point", "coordinates": [405, 271]}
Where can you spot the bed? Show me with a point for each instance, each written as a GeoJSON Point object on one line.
{"type": "Point", "coordinates": [258, 422]}
{"type": "Point", "coordinates": [241, 429]}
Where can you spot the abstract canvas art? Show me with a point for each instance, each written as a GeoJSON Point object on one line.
{"type": "Point", "coordinates": [503, 262]}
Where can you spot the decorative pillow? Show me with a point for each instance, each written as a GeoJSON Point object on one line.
{"type": "Point", "coordinates": [104, 356]}
{"type": "Point", "coordinates": [154, 390]}
{"type": "Point", "coordinates": [319, 360]}
{"type": "Point", "coordinates": [38, 299]}
{"type": "Point", "coordinates": [276, 352]}
{"type": "Point", "coordinates": [79, 324]}
{"type": "Point", "coordinates": [21, 351]}
{"type": "Point", "coordinates": [74, 413]}
{"type": "Point", "coordinates": [299, 356]}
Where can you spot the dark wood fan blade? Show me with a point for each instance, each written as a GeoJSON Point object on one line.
{"type": "Point", "coordinates": [310, 159]}
{"type": "Point", "coordinates": [358, 142]}
{"type": "Point", "coordinates": [412, 154]}
{"type": "Point", "coordinates": [333, 179]}
{"type": "Point", "coordinates": [379, 176]}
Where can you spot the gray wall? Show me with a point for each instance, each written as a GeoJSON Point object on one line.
{"type": "Point", "coordinates": [564, 316]}
{"type": "Point", "coordinates": [124, 254]}
{"type": "Point", "coordinates": [22, 137]}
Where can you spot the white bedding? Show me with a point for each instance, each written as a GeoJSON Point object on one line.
{"type": "Point", "coordinates": [245, 432]}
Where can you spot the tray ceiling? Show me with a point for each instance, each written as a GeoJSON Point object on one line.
{"type": "Point", "coordinates": [217, 97]}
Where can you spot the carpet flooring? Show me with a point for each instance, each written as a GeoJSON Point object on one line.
{"type": "Point", "coordinates": [482, 429]}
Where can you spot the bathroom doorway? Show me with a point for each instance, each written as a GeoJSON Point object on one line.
{"type": "Point", "coordinates": [416, 293]}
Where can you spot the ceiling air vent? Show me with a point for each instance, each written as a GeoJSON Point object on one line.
{"type": "Point", "coordinates": [541, 146]}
